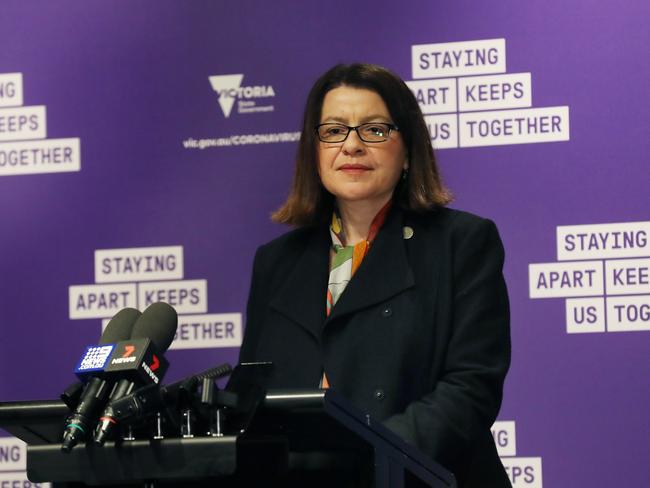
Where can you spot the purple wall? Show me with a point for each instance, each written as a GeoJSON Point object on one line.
{"type": "Point", "coordinates": [113, 137]}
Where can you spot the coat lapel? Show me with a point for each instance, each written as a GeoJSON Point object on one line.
{"type": "Point", "coordinates": [303, 296]}
{"type": "Point", "coordinates": [384, 272]}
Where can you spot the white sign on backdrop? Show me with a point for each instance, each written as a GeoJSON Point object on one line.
{"type": "Point", "coordinates": [522, 471]}
{"type": "Point", "coordinates": [138, 277]}
{"type": "Point", "coordinates": [24, 148]}
{"type": "Point", "coordinates": [608, 265]}
{"type": "Point", "coordinates": [483, 105]}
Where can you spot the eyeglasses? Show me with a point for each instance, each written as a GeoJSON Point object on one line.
{"type": "Point", "coordinates": [371, 132]}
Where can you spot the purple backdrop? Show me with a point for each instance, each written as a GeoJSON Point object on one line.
{"type": "Point", "coordinates": [143, 142]}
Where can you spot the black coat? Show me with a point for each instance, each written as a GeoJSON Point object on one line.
{"type": "Point", "coordinates": [419, 339]}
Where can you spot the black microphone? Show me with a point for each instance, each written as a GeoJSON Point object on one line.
{"type": "Point", "coordinates": [95, 391]}
{"type": "Point", "coordinates": [152, 398]}
{"type": "Point", "coordinates": [141, 362]}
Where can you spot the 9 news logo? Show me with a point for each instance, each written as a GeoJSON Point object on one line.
{"type": "Point", "coordinates": [95, 358]}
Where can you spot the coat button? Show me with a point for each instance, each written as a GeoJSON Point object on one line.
{"type": "Point", "coordinates": [386, 312]}
{"type": "Point", "coordinates": [407, 232]}
{"type": "Point", "coordinates": [379, 394]}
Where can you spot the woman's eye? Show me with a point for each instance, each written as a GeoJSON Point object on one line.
{"type": "Point", "coordinates": [375, 130]}
{"type": "Point", "coordinates": [335, 131]}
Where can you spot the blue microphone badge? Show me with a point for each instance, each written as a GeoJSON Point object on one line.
{"type": "Point", "coordinates": [94, 359]}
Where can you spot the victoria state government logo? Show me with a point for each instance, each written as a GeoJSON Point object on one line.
{"type": "Point", "coordinates": [250, 99]}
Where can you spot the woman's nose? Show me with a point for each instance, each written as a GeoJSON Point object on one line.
{"type": "Point", "coordinates": [353, 144]}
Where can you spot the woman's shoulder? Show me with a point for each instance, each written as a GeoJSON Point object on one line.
{"type": "Point", "coordinates": [460, 233]}
{"type": "Point", "coordinates": [290, 242]}
{"type": "Point", "coordinates": [450, 220]}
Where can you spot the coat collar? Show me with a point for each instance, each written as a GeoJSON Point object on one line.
{"type": "Point", "coordinates": [384, 272]}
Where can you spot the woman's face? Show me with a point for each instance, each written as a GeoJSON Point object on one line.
{"type": "Point", "coordinates": [354, 170]}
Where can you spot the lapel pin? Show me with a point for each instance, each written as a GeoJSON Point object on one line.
{"type": "Point", "coordinates": [408, 232]}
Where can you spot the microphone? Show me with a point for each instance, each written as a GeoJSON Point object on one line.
{"type": "Point", "coordinates": [90, 368]}
{"type": "Point", "coordinates": [141, 360]}
{"type": "Point", "coordinates": [150, 399]}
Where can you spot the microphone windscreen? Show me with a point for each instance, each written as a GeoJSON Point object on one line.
{"type": "Point", "coordinates": [158, 323]}
{"type": "Point", "coordinates": [120, 326]}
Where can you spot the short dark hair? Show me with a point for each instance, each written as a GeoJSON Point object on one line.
{"type": "Point", "coordinates": [309, 202]}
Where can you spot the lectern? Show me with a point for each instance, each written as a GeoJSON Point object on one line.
{"type": "Point", "coordinates": [293, 438]}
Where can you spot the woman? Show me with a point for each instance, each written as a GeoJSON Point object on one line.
{"type": "Point", "coordinates": [381, 292]}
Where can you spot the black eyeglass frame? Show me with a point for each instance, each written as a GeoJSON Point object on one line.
{"type": "Point", "coordinates": [391, 127]}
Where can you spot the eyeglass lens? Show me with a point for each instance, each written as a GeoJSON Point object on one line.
{"type": "Point", "coordinates": [371, 132]}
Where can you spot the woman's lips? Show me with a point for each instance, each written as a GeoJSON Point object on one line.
{"type": "Point", "coordinates": [354, 168]}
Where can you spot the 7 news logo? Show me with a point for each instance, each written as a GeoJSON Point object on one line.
{"type": "Point", "coordinates": [127, 355]}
